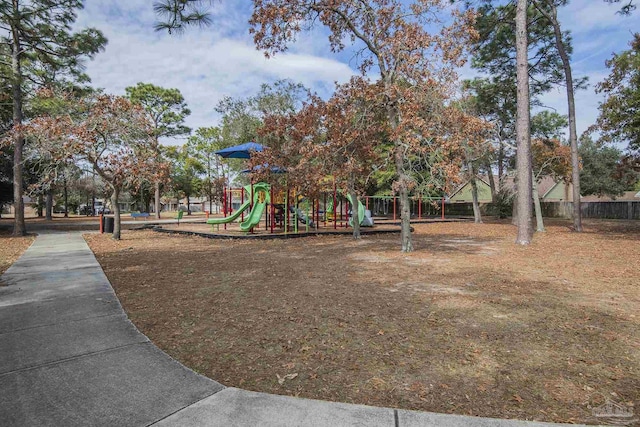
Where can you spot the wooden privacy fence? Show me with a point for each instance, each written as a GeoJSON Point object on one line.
{"type": "Point", "coordinates": [604, 210]}
{"type": "Point", "coordinates": [622, 209]}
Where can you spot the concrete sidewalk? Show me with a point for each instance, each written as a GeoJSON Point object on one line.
{"type": "Point", "coordinates": [70, 356]}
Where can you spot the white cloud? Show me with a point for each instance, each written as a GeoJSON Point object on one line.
{"type": "Point", "coordinates": [205, 65]}
{"type": "Point", "coordinates": [587, 16]}
{"type": "Point", "coordinates": [221, 60]}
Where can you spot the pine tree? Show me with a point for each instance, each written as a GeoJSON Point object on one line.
{"type": "Point", "coordinates": [40, 31]}
{"type": "Point", "coordinates": [167, 111]}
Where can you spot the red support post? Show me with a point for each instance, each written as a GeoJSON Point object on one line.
{"type": "Point", "coordinates": [273, 216]}
{"type": "Point", "coordinates": [101, 223]}
{"type": "Point", "coordinates": [252, 194]}
{"type": "Point", "coordinates": [346, 213]}
{"type": "Point", "coordinates": [335, 207]}
{"type": "Point", "coordinates": [419, 207]}
{"type": "Point", "coordinates": [229, 202]}
{"type": "Point", "coordinates": [324, 208]}
{"type": "Point", "coordinates": [250, 202]}
{"type": "Point", "coordinates": [443, 208]}
{"type": "Point", "coordinates": [224, 201]}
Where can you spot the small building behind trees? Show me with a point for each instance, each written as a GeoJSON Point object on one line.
{"type": "Point", "coordinates": [550, 190]}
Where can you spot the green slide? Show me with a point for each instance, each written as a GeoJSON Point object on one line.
{"type": "Point", "coordinates": [363, 219]}
{"type": "Point", "coordinates": [232, 217]}
{"type": "Point", "coordinates": [261, 186]}
{"type": "Point", "coordinates": [258, 206]}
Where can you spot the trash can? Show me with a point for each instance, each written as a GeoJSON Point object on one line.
{"type": "Point", "coordinates": [108, 224]}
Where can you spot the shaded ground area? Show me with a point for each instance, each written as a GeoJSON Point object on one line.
{"type": "Point", "coordinates": [468, 323]}
{"type": "Point", "coordinates": [233, 228]}
{"type": "Point", "coordinates": [59, 222]}
{"type": "Point", "coordinates": [11, 248]}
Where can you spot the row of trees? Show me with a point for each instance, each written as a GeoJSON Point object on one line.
{"type": "Point", "coordinates": [413, 67]}
{"type": "Point", "coordinates": [402, 119]}
{"type": "Point", "coordinates": [39, 50]}
{"type": "Point", "coordinates": [118, 138]}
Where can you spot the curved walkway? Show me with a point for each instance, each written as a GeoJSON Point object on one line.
{"type": "Point", "coordinates": [70, 356]}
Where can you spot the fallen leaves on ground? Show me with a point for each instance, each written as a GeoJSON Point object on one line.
{"type": "Point", "coordinates": [468, 323]}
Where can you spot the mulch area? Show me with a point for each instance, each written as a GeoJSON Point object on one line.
{"type": "Point", "coordinates": [232, 230]}
{"type": "Point", "coordinates": [11, 248]}
{"type": "Point", "coordinates": [468, 323]}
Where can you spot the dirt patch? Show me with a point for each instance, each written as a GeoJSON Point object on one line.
{"type": "Point", "coordinates": [11, 248]}
{"type": "Point", "coordinates": [469, 323]}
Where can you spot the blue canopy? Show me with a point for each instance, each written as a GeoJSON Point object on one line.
{"type": "Point", "coordinates": [242, 151]}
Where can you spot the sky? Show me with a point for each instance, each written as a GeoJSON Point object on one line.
{"type": "Point", "coordinates": [207, 64]}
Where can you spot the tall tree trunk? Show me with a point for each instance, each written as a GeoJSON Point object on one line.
{"type": "Point", "coordinates": [492, 183]}
{"type": "Point", "coordinates": [209, 184]}
{"type": "Point", "coordinates": [40, 205]}
{"type": "Point", "coordinates": [573, 134]}
{"type": "Point", "coordinates": [536, 203]}
{"type": "Point", "coordinates": [65, 192]}
{"type": "Point", "coordinates": [218, 176]}
{"type": "Point", "coordinates": [93, 194]}
{"type": "Point", "coordinates": [156, 186]}
{"type": "Point", "coordinates": [19, 227]}
{"type": "Point", "coordinates": [523, 160]}
{"type": "Point", "coordinates": [188, 205]}
{"type": "Point", "coordinates": [500, 162]}
{"type": "Point", "coordinates": [403, 190]}
{"type": "Point", "coordinates": [355, 215]}
{"type": "Point", "coordinates": [48, 210]}
{"type": "Point", "coordinates": [477, 217]}
{"type": "Point", "coordinates": [116, 213]}
{"type": "Point", "coordinates": [156, 196]}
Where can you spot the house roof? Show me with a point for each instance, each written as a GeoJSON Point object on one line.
{"type": "Point", "coordinates": [545, 185]}
{"type": "Point", "coordinates": [464, 184]}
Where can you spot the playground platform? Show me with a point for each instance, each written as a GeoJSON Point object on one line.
{"type": "Point", "coordinates": [232, 230]}
{"type": "Point", "coordinates": [70, 356]}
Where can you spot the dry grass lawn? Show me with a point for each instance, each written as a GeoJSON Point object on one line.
{"type": "Point", "coordinates": [469, 323]}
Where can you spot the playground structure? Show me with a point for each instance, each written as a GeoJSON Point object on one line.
{"type": "Point", "coordinates": [285, 208]}
{"type": "Point", "coordinates": [420, 207]}
{"type": "Point", "coordinates": [262, 208]}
